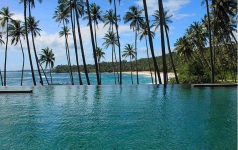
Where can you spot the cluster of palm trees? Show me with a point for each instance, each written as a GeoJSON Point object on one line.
{"type": "Point", "coordinates": [16, 30]}
{"type": "Point", "coordinates": [216, 30]}
{"type": "Point", "coordinates": [71, 11]}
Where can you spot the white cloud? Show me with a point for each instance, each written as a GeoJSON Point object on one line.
{"type": "Point", "coordinates": [172, 5]}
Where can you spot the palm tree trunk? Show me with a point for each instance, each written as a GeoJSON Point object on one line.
{"type": "Point", "coordinates": [36, 57]}
{"type": "Point", "coordinates": [210, 45]}
{"type": "Point", "coordinates": [23, 61]}
{"type": "Point", "coordinates": [1, 77]}
{"type": "Point", "coordinates": [28, 46]}
{"type": "Point", "coordinates": [113, 66]}
{"type": "Point", "coordinates": [147, 52]}
{"type": "Point", "coordinates": [5, 62]}
{"type": "Point", "coordinates": [151, 45]}
{"type": "Point", "coordinates": [69, 62]}
{"type": "Point", "coordinates": [44, 74]}
{"type": "Point", "coordinates": [95, 34]}
{"type": "Point", "coordinates": [81, 45]}
{"type": "Point", "coordinates": [171, 57]}
{"type": "Point", "coordinates": [75, 44]}
{"type": "Point", "coordinates": [50, 74]}
{"type": "Point", "coordinates": [93, 44]}
{"type": "Point", "coordinates": [131, 71]}
{"type": "Point", "coordinates": [119, 46]}
{"type": "Point", "coordinates": [137, 78]}
{"type": "Point", "coordinates": [116, 62]}
{"type": "Point", "coordinates": [161, 9]}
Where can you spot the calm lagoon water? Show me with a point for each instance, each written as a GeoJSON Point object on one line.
{"type": "Point", "coordinates": [14, 78]}
{"type": "Point", "coordinates": [119, 117]}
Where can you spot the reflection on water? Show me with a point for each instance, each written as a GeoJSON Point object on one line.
{"type": "Point", "coordinates": [119, 117]}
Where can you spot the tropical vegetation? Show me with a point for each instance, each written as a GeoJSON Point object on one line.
{"type": "Point", "coordinates": [206, 53]}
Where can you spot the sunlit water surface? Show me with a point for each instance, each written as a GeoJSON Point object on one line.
{"type": "Point", "coordinates": [119, 117]}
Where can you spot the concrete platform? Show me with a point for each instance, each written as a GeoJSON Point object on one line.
{"type": "Point", "coordinates": [15, 91]}
{"type": "Point", "coordinates": [215, 85]}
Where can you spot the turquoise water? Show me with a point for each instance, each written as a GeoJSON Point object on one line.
{"type": "Point", "coordinates": [14, 78]}
{"type": "Point", "coordinates": [119, 117]}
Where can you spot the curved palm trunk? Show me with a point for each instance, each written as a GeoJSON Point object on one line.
{"type": "Point", "coordinates": [131, 71]}
{"type": "Point", "coordinates": [5, 62]}
{"type": "Point", "coordinates": [36, 57]}
{"type": "Point", "coordinates": [210, 45]}
{"type": "Point", "coordinates": [44, 74]}
{"type": "Point", "coordinates": [147, 52]}
{"type": "Point", "coordinates": [137, 78]}
{"type": "Point", "coordinates": [119, 46]}
{"type": "Point", "coordinates": [95, 34]}
{"type": "Point", "coordinates": [113, 66]}
{"type": "Point", "coordinates": [161, 9]}
{"type": "Point", "coordinates": [28, 46]}
{"type": "Point", "coordinates": [171, 57]}
{"type": "Point", "coordinates": [75, 44]}
{"type": "Point", "coordinates": [116, 63]}
{"type": "Point", "coordinates": [151, 45]}
{"type": "Point", "coordinates": [93, 44]}
{"type": "Point", "coordinates": [1, 77]}
{"type": "Point", "coordinates": [69, 62]}
{"type": "Point", "coordinates": [50, 75]}
{"type": "Point", "coordinates": [81, 45]}
{"type": "Point", "coordinates": [23, 61]}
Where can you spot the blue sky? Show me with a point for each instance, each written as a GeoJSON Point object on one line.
{"type": "Point", "coordinates": [184, 12]}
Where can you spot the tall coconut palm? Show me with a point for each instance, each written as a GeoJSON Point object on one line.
{"type": "Point", "coordinates": [100, 54]}
{"type": "Point", "coordinates": [111, 40]}
{"type": "Point", "coordinates": [93, 43]}
{"type": "Point", "coordinates": [119, 45]}
{"type": "Point", "coordinates": [48, 58]}
{"type": "Point", "coordinates": [129, 52]}
{"type": "Point", "coordinates": [5, 16]}
{"type": "Point", "coordinates": [16, 31]}
{"type": "Point", "coordinates": [161, 9]}
{"type": "Point", "coordinates": [156, 23]}
{"type": "Point", "coordinates": [76, 10]}
{"type": "Point", "coordinates": [151, 44]}
{"type": "Point", "coordinates": [96, 15]}
{"type": "Point", "coordinates": [210, 41]}
{"type": "Point", "coordinates": [32, 26]}
{"type": "Point", "coordinates": [66, 32]}
{"type": "Point", "coordinates": [1, 41]}
{"type": "Point", "coordinates": [143, 32]}
{"type": "Point", "coordinates": [27, 41]}
{"type": "Point", "coordinates": [134, 17]}
{"type": "Point", "coordinates": [184, 48]}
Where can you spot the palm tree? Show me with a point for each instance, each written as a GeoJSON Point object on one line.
{"type": "Point", "coordinates": [184, 48]}
{"type": "Point", "coordinates": [143, 32]}
{"type": "Point", "coordinates": [32, 26]}
{"type": "Point", "coordinates": [93, 43]}
{"type": "Point", "coordinates": [66, 32]}
{"type": "Point", "coordinates": [161, 9]}
{"type": "Point", "coordinates": [167, 20]}
{"type": "Point", "coordinates": [100, 54]}
{"type": "Point", "coordinates": [129, 52]}
{"type": "Point", "coordinates": [5, 16]}
{"type": "Point", "coordinates": [76, 10]}
{"type": "Point", "coordinates": [96, 15]}
{"type": "Point", "coordinates": [16, 31]}
{"type": "Point", "coordinates": [48, 58]}
{"type": "Point", "coordinates": [110, 39]}
{"type": "Point", "coordinates": [134, 16]}
{"type": "Point", "coordinates": [27, 41]}
{"type": "Point", "coordinates": [1, 41]}
{"type": "Point", "coordinates": [151, 44]}
{"type": "Point", "coordinates": [119, 45]}
{"type": "Point", "coordinates": [210, 41]}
